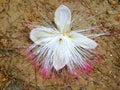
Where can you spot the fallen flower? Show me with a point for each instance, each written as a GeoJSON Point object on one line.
{"type": "Point", "coordinates": [58, 47]}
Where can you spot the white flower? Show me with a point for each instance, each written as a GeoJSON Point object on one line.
{"type": "Point", "coordinates": [55, 48]}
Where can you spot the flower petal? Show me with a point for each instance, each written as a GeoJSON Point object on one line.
{"type": "Point", "coordinates": [62, 53]}
{"type": "Point", "coordinates": [63, 18]}
{"type": "Point", "coordinates": [42, 32]}
{"type": "Point", "coordinates": [59, 60]}
{"type": "Point", "coordinates": [58, 64]}
{"type": "Point", "coordinates": [83, 41]}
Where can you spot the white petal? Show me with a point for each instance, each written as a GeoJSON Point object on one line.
{"type": "Point", "coordinates": [63, 18]}
{"type": "Point", "coordinates": [42, 32]}
{"type": "Point", "coordinates": [59, 64]}
{"type": "Point", "coordinates": [83, 41]}
{"type": "Point", "coordinates": [61, 53]}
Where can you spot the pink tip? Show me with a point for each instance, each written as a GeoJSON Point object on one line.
{"type": "Point", "coordinates": [27, 51]}
{"type": "Point", "coordinates": [45, 73]}
{"type": "Point", "coordinates": [108, 33]}
{"type": "Point", "coordinates": [31, 56]}
{"type": "Point", "coordinates": [87, 68]}
{"type": "Point", "coordinates": [111, 33]}
{"type": "Point", "coordinates": [73, 73]}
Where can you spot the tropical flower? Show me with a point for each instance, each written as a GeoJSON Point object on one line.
{"type": "Point", "coordinates": [56, 48]}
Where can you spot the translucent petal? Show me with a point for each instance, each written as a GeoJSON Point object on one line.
{"type": "Point", "coordinates": [83, 41]}
{"type": "Point", "coordinates": [58, 64]}
{"type": "Point", "coordinates": [40, 33]}
{"type": "Point", "coordinates": [61, 53]}
{"type": "Point", "coordinates": [63, 18]}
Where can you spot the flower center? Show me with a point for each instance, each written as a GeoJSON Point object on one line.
{"type": "Point", "coordinates": [64, 35]}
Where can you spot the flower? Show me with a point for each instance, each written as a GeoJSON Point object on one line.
{"type": "Point", "coordinates": [58, 47]}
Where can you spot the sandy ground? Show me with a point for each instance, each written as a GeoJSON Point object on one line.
{"type": "Point", "coordinates": [16, 73]}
